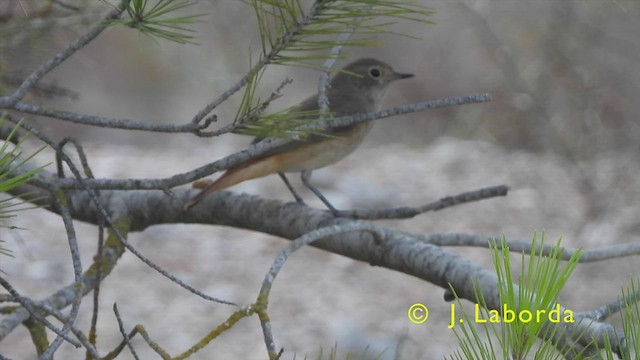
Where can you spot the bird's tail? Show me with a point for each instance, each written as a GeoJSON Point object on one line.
{"type": "Point", "coordinates": [250, 170]}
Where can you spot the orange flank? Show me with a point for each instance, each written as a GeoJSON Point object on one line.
{"type": "Point", "coordinates": [293, 157]}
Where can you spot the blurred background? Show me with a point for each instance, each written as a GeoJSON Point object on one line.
{"type": "Point", "coordinates": [562, 131]}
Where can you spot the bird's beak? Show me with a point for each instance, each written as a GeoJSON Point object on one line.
{"type": "Point", "coordinates": [398, 76]}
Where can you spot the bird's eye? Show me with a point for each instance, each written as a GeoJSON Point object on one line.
{"type": "Point", "coordinates": [374, 72]}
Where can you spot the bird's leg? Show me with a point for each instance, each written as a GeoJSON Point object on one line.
{"type": "Point", "coordinates": [305, 176]}
{"type": "Point", "coordinates": [286, 182]}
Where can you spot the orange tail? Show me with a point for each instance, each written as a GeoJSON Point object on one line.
{"type": "Point", "coordinates": [247, 171]}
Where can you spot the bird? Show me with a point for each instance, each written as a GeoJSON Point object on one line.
{"type": "Point", "coordinates": [359, 88]}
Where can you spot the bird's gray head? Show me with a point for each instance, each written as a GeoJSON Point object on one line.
{"type": "Point", "coordinates": [367, 76]}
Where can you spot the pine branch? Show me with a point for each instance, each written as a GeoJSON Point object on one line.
{"type": "Point", "coordinates": [292, 36]}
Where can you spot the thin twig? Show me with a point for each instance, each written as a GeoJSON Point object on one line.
{"type": "Point", "coordinates": [254, 150]}
{"type": "Point", "coordinates": [249, 117]}
{"type": "Point", "coordinates": [522, 246]}
{"type": "Point", "coordinates": [41, 89]}
{"type": "Point", "coordinates": [406, 212]}
{"type": "Point", "coordinates": [108, 221]}
{"type": "Point", "coordinates": [108, 122]}
{"type": "Point", "coordinates": [93, 332]}
{"type": "Point", "coordinates": [323, 82]}
{"type": "Point", "coordinates": [280, 260]}
{"type": "Point", "coordinates": [124, 333]}
{"type": "Point", "coordinates": [13, 100]}
{"type": "Point", "coordinates": [281, 44]}
{"type": "Point", "coordinates": [30, 307]}
{"type": "Point", "coordinates": [81, 155]}
{"type": "Point", "coordinates": [78, 334]}
{"type": "Point", "coordinates": [605, 311]}
{"type": "Point", "coordinates": [67, 219]}
{"type": "Point", "coordinates": [59, 58]}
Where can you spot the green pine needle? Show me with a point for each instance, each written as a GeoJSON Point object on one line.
{"type": "Point", "coordinates": [288, 124]}
{"type": "Point", "coordinates": [541, 279]}
{"type": "Point", "coordinates": [158, 20]}
{"type": "Point", "coordinates": [291, 34]}
{"type": "Point", "coordinates": [284, 24]}
{"type": "Point", "coordinates": [8, 154]}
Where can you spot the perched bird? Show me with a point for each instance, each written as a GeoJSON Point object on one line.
{"type": "Point", "coordinates": [359, 88]}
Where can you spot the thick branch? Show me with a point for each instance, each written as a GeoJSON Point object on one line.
{"type": "Point", "coordinates": [389, 248]}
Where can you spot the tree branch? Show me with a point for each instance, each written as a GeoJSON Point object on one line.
{"type": "Point", "coordinates": [406, 212]}
{"type": "Point", "coordinates": [59, 58]}
{"type": "Point", "coordinates": [522, 246]}
{"type": "Point", "coordinates": [244, 155]}
{"type": "Point", "coordinates": [109, 122]}
{"type": "Point", "coordinates": [389, 248]}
